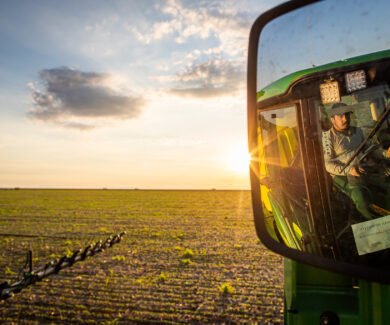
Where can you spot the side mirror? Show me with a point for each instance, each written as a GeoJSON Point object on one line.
{"type": "Point", "coordinates": [319, 134]}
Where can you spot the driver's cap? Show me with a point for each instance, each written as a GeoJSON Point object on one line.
{"type": "Point", "coordinates": [340, 109]}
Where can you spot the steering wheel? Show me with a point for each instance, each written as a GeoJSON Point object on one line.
{"type": "Point", "coordinates": [371, 148]}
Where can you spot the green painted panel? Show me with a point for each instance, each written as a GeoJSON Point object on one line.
{"type": "Point", "coordinates": [281, 86]}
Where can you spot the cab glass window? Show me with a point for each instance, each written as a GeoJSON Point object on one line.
{"type": "Point", "coordinates": [283, 192]}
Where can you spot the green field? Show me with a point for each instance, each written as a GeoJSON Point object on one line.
{"type": "Point", "coordinates": [187, 257]}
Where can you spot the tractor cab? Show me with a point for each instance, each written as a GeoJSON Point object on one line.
{"type": "Point", "coordinates": [318, 96]}
{"type": "Point", "coordinates": [309, 198]}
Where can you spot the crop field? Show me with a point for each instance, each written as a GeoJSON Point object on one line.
{"type": "Point", "coordinates": [187, 257]}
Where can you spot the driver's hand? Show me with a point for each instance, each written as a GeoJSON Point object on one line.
{"type": "Point", "coordinates": [388, 152]}
{"type": "Point", "coordinates": [354, 171]}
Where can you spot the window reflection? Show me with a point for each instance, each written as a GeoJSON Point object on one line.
{"type": "Point", "coordinates": [283, 191]}
{"type": "Point", "coordinates": [356, 142]}
{"type": "Point", "coordinates": [358, 177]}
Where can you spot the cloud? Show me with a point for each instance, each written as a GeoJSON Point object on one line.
{"type": "Point", "coordinates": [76, 125]}
{"type": "Point", "coordinates": [214, 35]}
{"type": "Point", "coordinates": [219, 20]}
{"type": "Point", "coordinates": [70, 96]}
{"type": "Point", "coordinates": [211, 78]}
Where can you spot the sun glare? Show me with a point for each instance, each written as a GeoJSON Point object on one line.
{"type": "Point", "coordinates": [238, 160]}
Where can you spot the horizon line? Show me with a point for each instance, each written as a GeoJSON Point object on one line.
{"type": "Point", "coordinates": [122, 189]}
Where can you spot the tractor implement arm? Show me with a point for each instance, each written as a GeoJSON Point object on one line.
{"type": "Point", "coordinates": [53, 267]}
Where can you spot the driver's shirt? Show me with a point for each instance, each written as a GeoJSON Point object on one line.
{"type": "Point", "coordinates": [339, 147]}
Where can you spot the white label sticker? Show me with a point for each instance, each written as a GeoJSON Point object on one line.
{"type": "Point", "coordinates": [372, 236]}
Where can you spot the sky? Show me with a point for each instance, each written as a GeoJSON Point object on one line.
{"type": "Point", "coordinates": [124, 94]}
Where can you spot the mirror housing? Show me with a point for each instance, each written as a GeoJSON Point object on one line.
{"type": "Point", "coordinates": [313, 243]}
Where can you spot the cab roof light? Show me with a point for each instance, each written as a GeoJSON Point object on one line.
{"type": "Point", "coordinates": [355, 80]}
{"type": "Point", "coordinates": [330, 92]}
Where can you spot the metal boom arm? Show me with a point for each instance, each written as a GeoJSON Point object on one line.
{"type": "Point", "coordinates": [53, 267]}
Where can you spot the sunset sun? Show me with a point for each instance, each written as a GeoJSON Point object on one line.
{"type": "Point", "coordinates": [238, 159]}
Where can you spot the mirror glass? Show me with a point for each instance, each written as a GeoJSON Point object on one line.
{"type": "Point", "coordinates": [321, 33]}
{"type": "Point", "coordinates": [323, 143]}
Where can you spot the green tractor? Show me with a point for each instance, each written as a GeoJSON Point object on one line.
{"type": "Point", "coordinates": [319, 138]}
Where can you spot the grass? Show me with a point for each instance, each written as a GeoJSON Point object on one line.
{"type": "Point", "coordinates": [186, 262]}
{"type": "Point", "coordinates": [188, 253]}
{"type": "Point", "coordinates": [8, 271]}
{"type": "Point", "coordinates": [119, 258]}
{"type": "Point", "coordinates": [162, 277]}
{"type": "Point", "coordinates": [179, 247]}
{"type": "Point", "coordinates": [226, 289]}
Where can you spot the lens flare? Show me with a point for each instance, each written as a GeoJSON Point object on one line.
{"type": "Point", "coordinates": [238, 160]}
